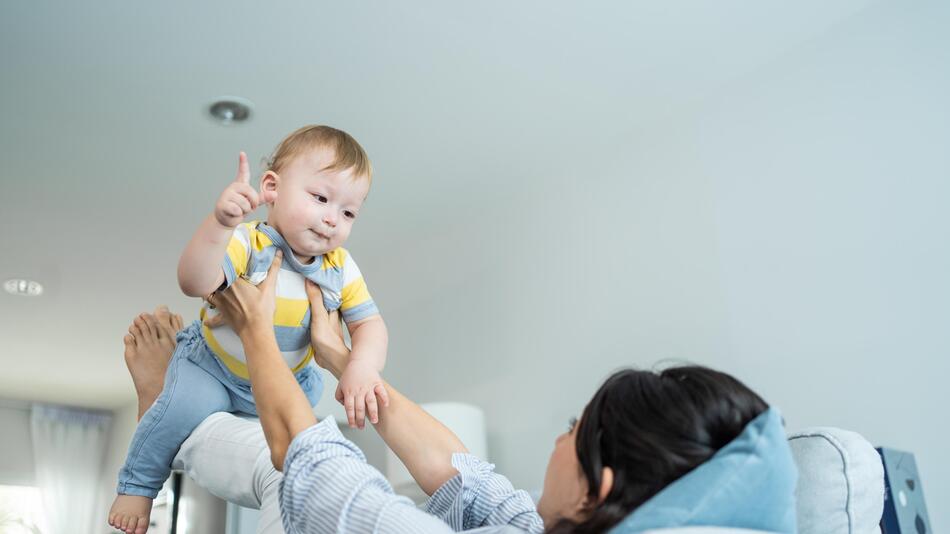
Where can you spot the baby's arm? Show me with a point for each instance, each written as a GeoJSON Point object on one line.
{"type": "Point", "coordinates": [368, 334]}
{"type": "Point", "coordinates": [370, 341]}
{"type": "Point", "coordinates": [199, 269]}
{"type": "Point", "coordinates": [360, 380]}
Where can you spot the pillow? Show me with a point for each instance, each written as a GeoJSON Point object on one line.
{"type": "Point", "coordinates": [841, 482]}
{"type": "Point", "coordinates": [749, 484]}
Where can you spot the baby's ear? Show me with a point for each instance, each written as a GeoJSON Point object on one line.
{"type": "Point", "coordinates": [269, 187]}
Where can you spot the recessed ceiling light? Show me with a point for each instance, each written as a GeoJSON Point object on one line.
{"type": "Point", "coordinates": [19, 286]}
{"type": "Point", "coordinates": [230, 110]}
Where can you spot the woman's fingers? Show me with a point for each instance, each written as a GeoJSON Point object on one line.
{"type": "Point", "coordinates": [270, 283]}
{"type": "Point", "coordinates": [336, 324]}
{"type": "Point", "coordinates": [213, 321]}
{"type": "Point", "coordinates": [315, 295]}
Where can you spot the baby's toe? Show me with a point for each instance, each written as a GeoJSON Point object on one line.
{"type": "Point", "coordinates": [142, 525]}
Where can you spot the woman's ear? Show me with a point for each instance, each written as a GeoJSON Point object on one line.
{"type": "Point", "coordinates": [587, 505]}
{"type": "Point", "coordinates": [606, 484]}
{"type": "Point", "coordinates": [269, 183]}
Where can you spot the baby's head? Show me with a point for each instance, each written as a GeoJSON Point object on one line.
{"type": "Point", "coordinates": [314, 186]}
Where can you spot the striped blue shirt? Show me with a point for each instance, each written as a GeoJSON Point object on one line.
{"type": "Point", "coordinates": [329, 488]}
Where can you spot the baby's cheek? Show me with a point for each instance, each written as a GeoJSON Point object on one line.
{"type": "Point", "coordinates": [300, 217]}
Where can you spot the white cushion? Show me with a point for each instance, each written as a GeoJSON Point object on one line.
{"type": "Point", "coordinates": [840, 482]}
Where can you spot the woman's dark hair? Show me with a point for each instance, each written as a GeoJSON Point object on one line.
{"type": "Point", "coordinates": [652, 428]}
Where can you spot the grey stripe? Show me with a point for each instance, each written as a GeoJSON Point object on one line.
{"type": "Point", "coordinates": [361, 311]}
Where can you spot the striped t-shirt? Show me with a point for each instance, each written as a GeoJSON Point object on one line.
{"type": "Point", "coordinates": [249, 255]}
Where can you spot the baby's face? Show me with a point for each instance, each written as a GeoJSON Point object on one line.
{"type": "Point", "coordinates": [315, 208]}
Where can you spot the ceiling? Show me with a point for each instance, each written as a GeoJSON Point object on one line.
{"type": "Point", "coordinates": [109, 160]}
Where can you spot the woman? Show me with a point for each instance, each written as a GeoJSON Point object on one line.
{"type": "Point", "coordinates": [639, 433]}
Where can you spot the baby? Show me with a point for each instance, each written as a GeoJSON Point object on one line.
{"type": "Point", "coordinates": [314, 187]}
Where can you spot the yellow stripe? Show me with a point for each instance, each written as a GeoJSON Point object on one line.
{"type": "Point", "coordinates": [334, 258]}
{"type": "Point", "coordinates": [259, 240]}
{"type": "Point", "coordinates": [238, 255]}
{"type": "Point", "coordinates": [238, 367]}
{"type": "Point", "coordinates": [354, 294]}
{"type": "Point", "coordinates": [290, 312]}
{"type": "Point", "coordinates": [233, 364]}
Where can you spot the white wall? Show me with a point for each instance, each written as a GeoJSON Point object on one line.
{"type": "Point", "coordinates": [792, 230]}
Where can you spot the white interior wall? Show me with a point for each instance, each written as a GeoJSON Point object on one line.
{"type": "Point", "coordinates": [791, 231]}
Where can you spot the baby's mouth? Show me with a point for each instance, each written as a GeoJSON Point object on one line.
{"type": "Point", "coordinates": [321, 236]}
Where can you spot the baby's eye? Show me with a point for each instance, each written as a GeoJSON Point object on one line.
{"type": "Point", "coordinates": [320, 198]}
{"type": "Point", "coordinates": [349, 214]}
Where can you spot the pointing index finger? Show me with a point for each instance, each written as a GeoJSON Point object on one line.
{"type": "Point", "coordinates": [244, 171]}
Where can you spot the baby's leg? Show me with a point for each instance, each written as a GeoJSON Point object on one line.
{"type": "Point", "coordinates": [190, 394]}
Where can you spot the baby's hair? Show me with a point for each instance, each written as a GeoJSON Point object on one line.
{"type": "Point", "coordinates": [348, 154]}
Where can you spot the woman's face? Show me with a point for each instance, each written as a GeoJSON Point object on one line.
{"type": "Point", "coordinates": [565, 486]}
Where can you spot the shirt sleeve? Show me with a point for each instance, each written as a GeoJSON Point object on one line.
{"type": "Point", "coordinates": [237, 255]}
{"type": "Point", "coordinates": [478, 497]}
{"type": "Point", "coordinates": [329, 487]}
{"type": "Point", "coordinates": [357, 304]}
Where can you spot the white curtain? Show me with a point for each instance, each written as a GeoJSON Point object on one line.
{"type": "Point", "coordinates": [68, 450]}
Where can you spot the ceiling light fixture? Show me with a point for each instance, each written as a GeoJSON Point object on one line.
{"type": "Point", "coordinates": [19, 286]}
{"type": "Point", "coordinates": [229, 110]}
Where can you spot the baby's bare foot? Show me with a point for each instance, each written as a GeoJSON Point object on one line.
{"type": "Point", "coordinates": [148, 347]}
{"type": "Point", "coordinates": [130, 513]}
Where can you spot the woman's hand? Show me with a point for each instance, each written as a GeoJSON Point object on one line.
{"type": "Point", "coordinates": [245, 306]}
{"type": "Point", "coordinates": [326, 333]}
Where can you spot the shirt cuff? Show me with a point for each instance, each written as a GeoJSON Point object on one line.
{"type": "Point", "coordinates": [360, 312]}
{"type": "Point", "coordinates": [230, 275]}
{"type": "Point", "coordinates": [322, 432]}
{"type": "Point", "coordinates": [460, 491]}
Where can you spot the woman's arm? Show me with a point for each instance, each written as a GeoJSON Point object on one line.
{"type": "Point", "coordinates": [420, 441]}
{"type": "Point", "coordinates": [323, 468]}
{"type": "Point", "coordinates": [423, 444]}
{"type": "Point", "coordinates": [281, 404]}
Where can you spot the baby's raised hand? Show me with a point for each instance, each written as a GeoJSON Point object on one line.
{"type": "Point", "coordinates": [359, 386]}
{"type": "Point", "coordinates": [238, 198]}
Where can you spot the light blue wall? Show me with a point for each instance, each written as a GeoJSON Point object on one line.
{"type": "Point", "coordinates": [791, 229]}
